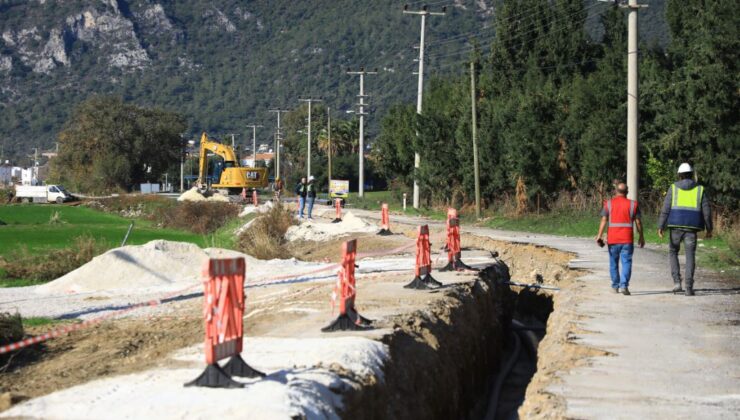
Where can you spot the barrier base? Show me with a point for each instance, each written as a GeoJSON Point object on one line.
{"type": "Point", "coordinates": [427, 282]}
{"type": "Point", "coordinates": [236, 366]}
{"type": "Point", "coordinates": [457, 265]}
{"type": "Point", "coordinates": [350, 321]}
{"type": "Point", "coordinates": [215, 377]}
{"type": "Point", "coordinates": [337, 220]}
{"type": "Point", "coordinates": [385, 232]}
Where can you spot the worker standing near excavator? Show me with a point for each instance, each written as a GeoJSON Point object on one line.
{"type": "Point", "coordinates": [301, 189]}
{"type": "Point", "coordinates": [686, 211]}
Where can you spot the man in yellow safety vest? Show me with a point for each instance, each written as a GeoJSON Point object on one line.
{"type": "Point", "coordinates": [686, 212]}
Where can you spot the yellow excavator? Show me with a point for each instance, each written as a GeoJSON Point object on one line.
{"type": "Point", "coordinates": [228, 176]}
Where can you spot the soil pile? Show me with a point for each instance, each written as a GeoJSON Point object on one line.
{"type": "Point", "coordinates": [191, 195]}
{"type": "Point", "coordinates": [194, 195]}
{"type": "Point", "coordinates": [263, 208]}
{"type": "Point", "coordinates": [314, 231]}
{"type": "Point", "coordinates": [155, 264]}
{"type": "Point", "coordinates": [161, 265]}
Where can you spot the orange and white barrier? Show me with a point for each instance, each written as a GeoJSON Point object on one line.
{"type": "Point", "coordinates": [452, 245]}
{"type": "Point", "coordinates": [385, 224]}
{"type": "Point", "coordinates": [423, 271]}
{"type": "Point", "coordinates": [337, 210]}
{"type": "Point", "coordinates": [223, 313]}
{"type": "Point", "coordinates": [346, 292]}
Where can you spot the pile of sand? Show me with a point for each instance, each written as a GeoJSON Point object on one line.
{"type": "Point", "coordinates": [160, 265]}
{"type": "Point", "coordinates": [194, 195]}
{"type": "Point", "coordinates": [191, 195]}
{"type": "Point", "coordinates": [262, 208]}
{"type": "Point", "coordinates": [314, 231]}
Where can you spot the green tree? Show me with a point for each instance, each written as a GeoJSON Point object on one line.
{"type": "Point", "coordinates": [108, 144]}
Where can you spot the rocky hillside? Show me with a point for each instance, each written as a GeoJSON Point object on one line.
{"type": "Point", "coordinates": [221, 63]}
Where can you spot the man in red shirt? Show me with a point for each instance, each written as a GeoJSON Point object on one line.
{"type": "Point", "coordinates": [620, 213]}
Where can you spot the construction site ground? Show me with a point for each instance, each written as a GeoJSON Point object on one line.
{"type": "Point", "coordinates": [649, 355]}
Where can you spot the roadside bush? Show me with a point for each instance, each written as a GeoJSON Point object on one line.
{"type": "Point", "coordinates": [197, 217]}
{"type": "Point", "coordinates": [130, 205]}
{"type": "Point", "coordinates": [265, 238]}
{"type": "Point", "coordinates": [50, 265]}
{"type": "Point", "coordinates": [11, 328]}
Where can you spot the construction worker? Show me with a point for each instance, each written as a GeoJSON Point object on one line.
{"type": "Point", "coordinates": [620, 213]}
{"type": "Point", "coordinates": [310, 195]}
{"type": "Point", "coordinates": [686, 211]}
{"type": "Point", "coordinates": [300, 190]}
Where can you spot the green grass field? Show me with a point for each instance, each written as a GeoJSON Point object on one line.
{"type": "Point", "coordinates": [28, 225]}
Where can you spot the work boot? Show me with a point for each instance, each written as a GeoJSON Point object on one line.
{"type": "Point", "coordinates": [615, 290]}
{"type": "Point", "coordinates": [689, 291]}
{"type": "Point", "coordinates": [626, 291]}
{"type": "Point", "coordinates": [677, 288]}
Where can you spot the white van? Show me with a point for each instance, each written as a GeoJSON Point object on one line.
{"type": "Point", "coordinates": [42, 194]}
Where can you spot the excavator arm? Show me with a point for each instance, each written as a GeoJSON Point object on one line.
{"type": "Point", "coordinates": [234, 177]}
{"type": "Point", "coordinates": [206, 145]}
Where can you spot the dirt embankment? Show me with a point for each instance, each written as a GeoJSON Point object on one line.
{"type": "Point", "coordinates": [441, 357]}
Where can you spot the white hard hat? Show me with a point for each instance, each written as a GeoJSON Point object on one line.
{"type": "Point", "coordinates": [310, 178]}
{"type": "Point", "coordinates": [685, 168]}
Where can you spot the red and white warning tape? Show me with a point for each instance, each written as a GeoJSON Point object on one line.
{"type": "Point", "coordinates": [156, 302]}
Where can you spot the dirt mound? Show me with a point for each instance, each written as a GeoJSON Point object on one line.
{"type": "Point", "coordinates": [194, 195]}
{"type": "Point", "coordinates": [156, 264]}
{"type": "Point", "coordinates": [191, 195]}
{"type": "Point", "coordinates": [263, 208]}
{"type": "Point", "coordinates": [315, 231]}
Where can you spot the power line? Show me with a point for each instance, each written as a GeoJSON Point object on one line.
{"type": "Point", "coordinates": [519, 35]}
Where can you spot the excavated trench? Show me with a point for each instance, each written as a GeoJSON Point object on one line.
{"type": "Point", "coordinates": [469, 355]}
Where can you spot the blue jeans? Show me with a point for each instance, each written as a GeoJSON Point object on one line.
{"type": "Point", "coordinates": [310, 205]}
{"type": "Point", "coordinates": [621, 252]}
{"type": "Point", "coordinates": [301, 205]}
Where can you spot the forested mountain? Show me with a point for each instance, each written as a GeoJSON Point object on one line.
{"type": "Point", "coordinates": [223, 63]}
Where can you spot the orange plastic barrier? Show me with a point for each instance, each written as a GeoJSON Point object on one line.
{"type": "Point", "coordinates": [337, 210]}
{"type": "Point", "coordinates": [223, 313]}
{"type": "Point", "coordinates": [255, 198]}
{"type": "Point", "coordinates": [345, 290]}
{"type": "Point", "coordinates": [423, 271]}
{"type": "Point", "coordinates": [385, 225]}
{"type": "Point", "coordinates": [452, 245]}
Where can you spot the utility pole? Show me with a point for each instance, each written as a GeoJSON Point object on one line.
{"type": "Point", "coordinates": [278, 140]}
{"type": "Point", "coordinates": [308, 154]}
{"type": "Point", "coordinates": [633, 99]}
{"type": "Point", "coordinates": [182, 163]}
{"type": "Point", "coordinates": [361, 181]}
{"type": "Point", "coordinates": [328, 111]}
{"type": "Point", "coordinates": [475, 141]}
{"type": "Point", "coordinates": [424, 12]}
{"type": "Point", "coordinates": [254, 143]}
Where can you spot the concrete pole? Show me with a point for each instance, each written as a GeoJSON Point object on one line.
{"type": "Point", "coordinates": [278, 140]}
{"type": "Point", "coordinates": [423, 13]}
{"type": "Point", "coordinates": [254, 146]}
{"type": "Point", "coordinates": [308, 153]}
{"type": "Point", "coordinates": [419, 93]}
{"type": "Point", "coordinates": [308, 157]}
{"type": "Point", "coordinates": [182, 171]}
{"type": "Point", "coordinates": [361, 181]}
{"type": "Point", "coordinates": [475, 141]}
{"type": "Point", "coordinates": [328, 111]}
{"type": "Point", "coordinates": [254, 143]}
{"type": "Point", "coordinates": [632, 102]}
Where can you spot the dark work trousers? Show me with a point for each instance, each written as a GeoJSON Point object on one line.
{"type": "Point", "coordinates": [689, 240]}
